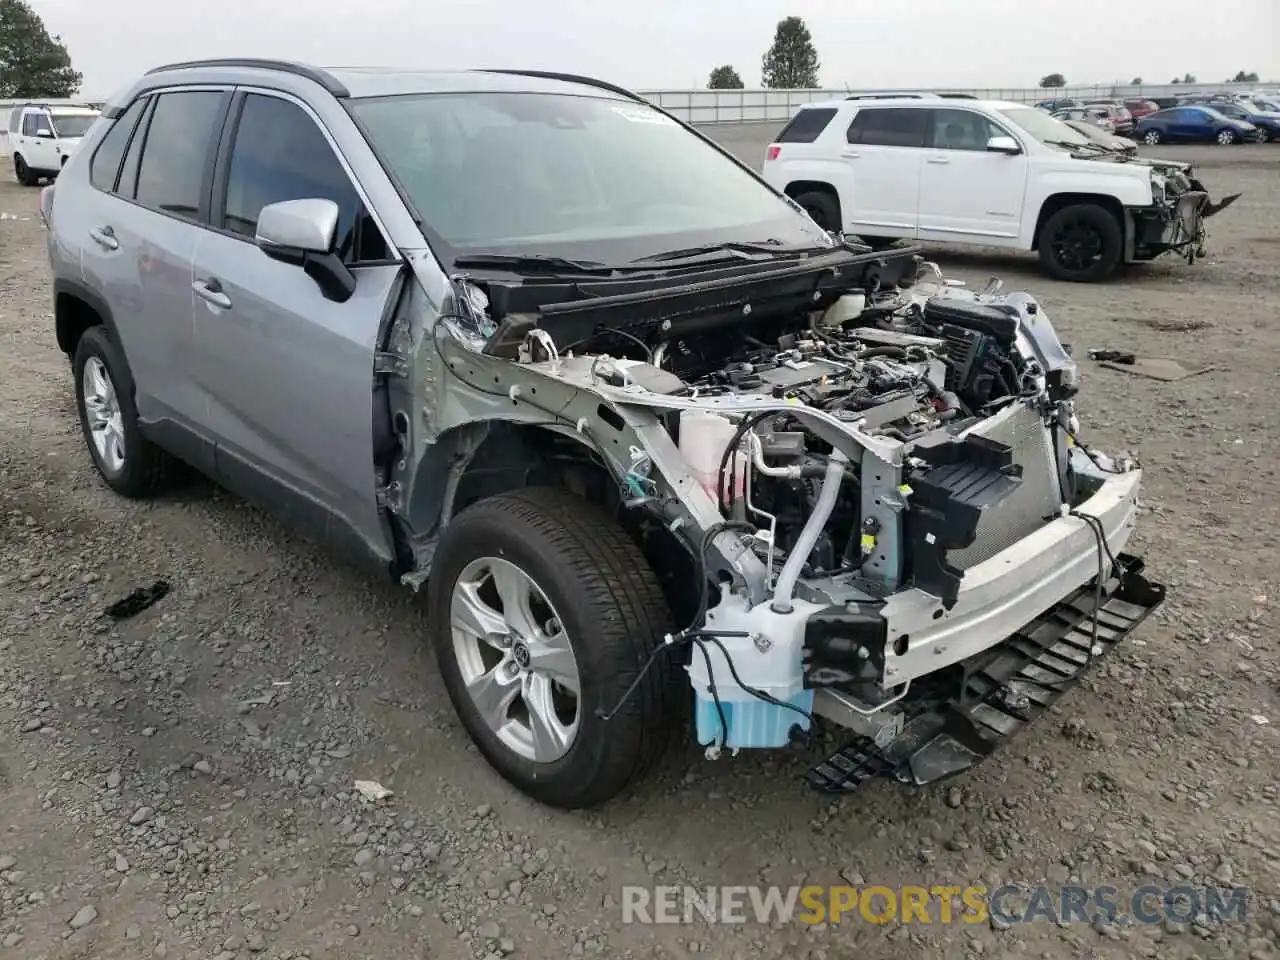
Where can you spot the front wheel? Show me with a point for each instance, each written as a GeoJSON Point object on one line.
{"type": "Point", "coordinates": [1226, 137]}
{"type": "Point", "coordinates": [1263, 135]}
{"type": "Point", "coordinates": [24, 174]}
{"type": "Point", "coordinates": [543, 613]}
{"type": "Point", "coordinates": [1081, 243]}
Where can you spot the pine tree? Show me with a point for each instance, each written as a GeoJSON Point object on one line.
{"type": "Point", "coordinates": [792, 62]}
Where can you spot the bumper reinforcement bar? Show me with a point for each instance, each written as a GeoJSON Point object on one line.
{"type": "Point", "coordinates": [1001, 690]}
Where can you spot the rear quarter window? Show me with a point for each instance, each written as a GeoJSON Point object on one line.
{"type": "Point", "coordinates": [806, 126]}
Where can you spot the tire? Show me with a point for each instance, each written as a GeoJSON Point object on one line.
{"type": "Point", "coordinates": [1226, 138]}
{"type": "Point", "coordinates": [24, 174]}
{"type": "Point", "coordinates": [130, 464]}
{"type": "Point", "coordinates": [823, 207]}
{"type": "Point", "coordinates": [1152, 137]}
{"type": "Point", "coordinates": [1082, 243]}
{"type": "Point", "coordinates": [1264, 135]}
{"type": "Point", "coordinates": [602, 602]}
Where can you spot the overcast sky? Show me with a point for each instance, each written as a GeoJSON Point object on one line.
{"type": "Point", "coordinates": [675, 43]}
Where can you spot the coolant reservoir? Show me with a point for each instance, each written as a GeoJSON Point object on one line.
{"type": "Point", "coordinates": [703, 440]}
{"type": "Point", "coordinates": [848, 307]}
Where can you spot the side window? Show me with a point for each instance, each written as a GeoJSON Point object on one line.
{"type": "Point", "coordinates": [30, 124]}
{"type": "Point", "coordinates": [127, 185]}
{"type": "Point", "coordinates": [182, 130]}
{"type": "Point", "coordinates": [888, 127]}
{"type": "Point", "coordinates": [806, 126]}
{"type": "Point", "coordinates": [963, 130]}
{"type": "Point", "coordinates": [279, 153]}
{"type": "Point", "coordinates": [105, 162]}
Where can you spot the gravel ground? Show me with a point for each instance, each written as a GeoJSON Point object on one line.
{"type": "Point", "coordinates": [180, 784]}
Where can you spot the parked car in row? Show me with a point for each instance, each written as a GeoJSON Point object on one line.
{"type": "Point", "coordinates": [984, 172]}
{"type": "Point", "coordinates": [42, 137]}
{"type": "Point", "coordinates": [1266, 121]}
{"type": "Point", "coordinates": [1110, 141]}
{"type": "Point", "coordinates": [1193, 124]}
{"type": "Point", "coordinates": [1119, 115]}
{"type": "Point", "coordinates": [1062, 103]}
{"type": "Point", "coordinates": [1139, 107]}
{"type": "Point", "coordinates": [1093, 116]}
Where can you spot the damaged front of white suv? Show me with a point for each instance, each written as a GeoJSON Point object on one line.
{"type": "Point", "coordinates": [899, 539]}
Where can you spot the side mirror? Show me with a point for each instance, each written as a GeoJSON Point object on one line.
{"type": "Point", "coordinates": [44, 133]}
{"type": "Point", "coordinates": [1005, 145]}
{"type": "Point", "coordinates": [302, 233]}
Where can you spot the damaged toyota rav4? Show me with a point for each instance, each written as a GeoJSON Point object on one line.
{"type": "Point", "coordinates": [665, 455]}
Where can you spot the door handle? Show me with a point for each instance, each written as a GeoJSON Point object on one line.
{"type": "Point", "coordinates": [211, 291]}
{"type": "Point", "coordinates": [851, 154]}
{"type": "Point", "coordinates": [104, 237]}
{"type": "Point", "coordinates": [939, 160]}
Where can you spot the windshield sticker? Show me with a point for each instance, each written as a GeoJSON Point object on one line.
{"type": "Point", "coordinates": [644, 115]}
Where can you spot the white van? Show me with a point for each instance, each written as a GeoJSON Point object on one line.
{"type": "Point", "coordinates": [41, 136]}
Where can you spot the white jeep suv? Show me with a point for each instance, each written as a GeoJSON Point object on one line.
{"type": "Point", "coordinates": [959, 170]}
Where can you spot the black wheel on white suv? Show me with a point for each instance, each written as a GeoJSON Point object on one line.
{"type": "Point", "coordinates": [129, 463]}
{"type": "Point", "coordinates": [823, 208]}
{"type": "Point", "coordinates": [543, 612]}
{"type": "Point", "coordinates": [24, 174]}
{"type": "Point", "coordinates": [1082, 242]}
{"type": "Point", "coordinates": [1151, 137]}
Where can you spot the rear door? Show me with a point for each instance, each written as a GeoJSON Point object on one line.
{"type": "Point", "coordinates": [286, 376]}
{"type": "Point", "coordinates": [884, 150]}
{"type": "Point", "coordinates": [967, 192]}
{"type": "Point", "coordinates": [139, 234]}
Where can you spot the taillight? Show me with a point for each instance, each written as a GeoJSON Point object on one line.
{"type": "Point", "coordinates": [772, 152]}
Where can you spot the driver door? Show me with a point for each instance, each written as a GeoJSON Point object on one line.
{"type": "Point", "coordinates": [39, 151]}
{"type": "Point", "coordinates": [286, 374]}
{"type": "Point", "coordinates": [966, 191]}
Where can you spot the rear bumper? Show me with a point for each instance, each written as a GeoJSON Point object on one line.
{"type": "Point", "coordinates": [999, 691]}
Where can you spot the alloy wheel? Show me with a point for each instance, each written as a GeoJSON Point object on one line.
{"type": "Point", "coordinates": [102, 410]}
{"type": "Point", "coordinates": [515, 659]}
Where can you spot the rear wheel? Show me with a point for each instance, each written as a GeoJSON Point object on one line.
{"type": "Point", "coordinates": [823, 208]}
{"type": "Point", "coordinates": [1151, 137]}
{"type": "Point", "coordinates": [130, 464]}
{"type": "Point", "coordinates": [1226, 137]}
{"type": "Point", "coordinates": [1081, 243]}
{"type": "Point", "coordinates": [543, 612]}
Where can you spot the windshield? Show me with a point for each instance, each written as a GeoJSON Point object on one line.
{"type": "Point", "coordinates": [1043, 127]}
{"type": "Point", "coordinates": [72, 125]}
{"type": "Point", "coordinates": [572, 176]}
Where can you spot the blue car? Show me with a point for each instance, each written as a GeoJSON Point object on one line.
{"type": "Point", "coordinates": [1266, 120]}
{"type": "Point", "coordinates": [1193, 124]}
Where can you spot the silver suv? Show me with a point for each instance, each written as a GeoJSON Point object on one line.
{"type": "Point", "coordinates": [660, 448]}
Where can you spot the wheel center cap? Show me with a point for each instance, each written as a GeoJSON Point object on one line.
{"type": "Point", "coordinates": [521, 654]}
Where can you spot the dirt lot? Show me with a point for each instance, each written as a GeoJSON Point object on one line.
{"type": "Point", "coordinates": [180, 784]}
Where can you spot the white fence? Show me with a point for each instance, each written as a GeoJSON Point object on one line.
{"type": "Point", "coordinates": [752, 106]}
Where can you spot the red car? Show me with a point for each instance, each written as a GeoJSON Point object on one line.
{"type": "Point", "coordinates": [1140, 108]}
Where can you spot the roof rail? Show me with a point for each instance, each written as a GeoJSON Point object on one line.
{"type": "Point", "coordinates": [572, 78]}
{"type": "Point", "coordinates": [315, 74]}
{"type": "Point", "coordinates": [891, 95]}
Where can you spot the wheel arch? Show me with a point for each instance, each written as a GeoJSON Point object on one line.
{"type": "Point", "coordinates": [76, 308]}
{"type": "Point", "coordinates": [483, 459]}
{"type": "Point", "coordinates": [1060, 201]}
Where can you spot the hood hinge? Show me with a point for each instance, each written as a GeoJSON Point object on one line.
{"type": "Point", "coordinates": [390, 365]}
